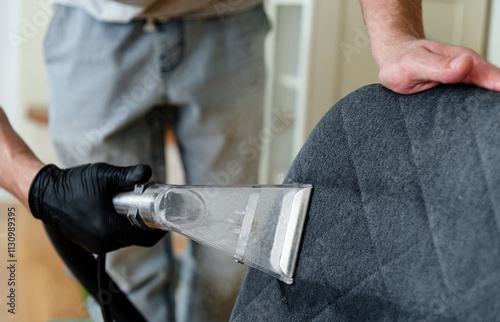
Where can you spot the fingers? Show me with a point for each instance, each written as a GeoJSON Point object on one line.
{"type": "Point", "coordinates": [424, 64]}
{"type": "Point", "coordinates": [472, 66]}
{"type": "Point", "coordinates": [485, 75]}
{"type": "Point", "coordinates": [145, 237]}
{"type": "Point", "coordinates": [139, 173]}
{"type": "Point", "coordinates": [127, 234]}
{"type": "Point", "coordinates": [128, 177]}
{"type": "Point", "coordinates": [455, 69]}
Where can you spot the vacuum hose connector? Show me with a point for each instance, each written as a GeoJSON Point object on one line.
{"type": "Point", "coordinates": [159, 206]}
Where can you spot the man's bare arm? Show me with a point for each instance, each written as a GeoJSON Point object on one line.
{"type": "Point", "coordinates": [408, 63]}
{"type": "Point", "coordinates": [18, 164]}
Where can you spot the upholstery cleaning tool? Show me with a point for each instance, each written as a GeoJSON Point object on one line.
{"type": "Point", "coordinates": [259, 225]}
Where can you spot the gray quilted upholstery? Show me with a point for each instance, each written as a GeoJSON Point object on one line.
{"type": "Point", "coordinates": [404, 222]}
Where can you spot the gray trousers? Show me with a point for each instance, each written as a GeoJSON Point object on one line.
{"type": "Point", "coordinates": [112, 90]}
{"type": "Point", "coordinates": [404, 221]}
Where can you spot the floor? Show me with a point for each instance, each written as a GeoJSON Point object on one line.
{"type": "Point", "coordinates": [44, 291]}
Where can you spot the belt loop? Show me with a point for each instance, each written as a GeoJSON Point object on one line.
{"type": "Point", "coordinates": [150, 25]}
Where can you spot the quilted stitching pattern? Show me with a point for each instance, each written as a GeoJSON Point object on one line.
{"type": "Point", "coordinates": [404, 218]}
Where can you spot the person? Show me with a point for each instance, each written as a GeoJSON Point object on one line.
{"type": "Point", "coordinates": [118, 71]}
{"type": "Point", "coordinates": [75, 202]}
{"type": "Point", "coordinates": [403, 218]}
{"type": "Point", "coordinates": [76, 208]}
{"type": "Point", "coordinates": [408, 63]}
{"type": "Point", "coordinates": [18, 164]}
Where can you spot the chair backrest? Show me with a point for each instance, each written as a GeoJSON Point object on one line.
{"type": "Point", "coordinates": [404, 221]}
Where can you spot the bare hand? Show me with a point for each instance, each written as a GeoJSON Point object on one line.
{"type": "Point", "coordinates": [418, 65]}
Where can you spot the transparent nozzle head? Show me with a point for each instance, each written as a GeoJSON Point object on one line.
{"type": "Point", "coordinates": [257, 225]}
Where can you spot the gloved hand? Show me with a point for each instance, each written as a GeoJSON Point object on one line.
{"type": "Point", "coordinates": [77, 202]}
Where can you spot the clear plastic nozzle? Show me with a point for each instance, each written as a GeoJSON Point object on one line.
{"type": "Point", "coordinates": [257, 225]}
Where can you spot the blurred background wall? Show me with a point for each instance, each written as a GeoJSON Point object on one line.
{"type": "Point", "coordinates": [319, 52]}
{"type": "Point", "coordinates": [493, 46]}
{"type": "Point", "coordinates": [22, 74]}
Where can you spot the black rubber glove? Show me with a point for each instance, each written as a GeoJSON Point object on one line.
{"type": "Point", "coordinates": [77, 202]}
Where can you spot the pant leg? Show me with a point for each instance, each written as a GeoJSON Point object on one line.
{"type": "Point", "coordinates": [104, 84]}
{"type": "Point", "coordinates": [218, 87]}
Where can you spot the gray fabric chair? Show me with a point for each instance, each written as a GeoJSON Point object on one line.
{"type": "Point", "coordinates": [404, 222]}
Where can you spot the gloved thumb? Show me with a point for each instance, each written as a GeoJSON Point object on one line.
{"type": "Point", "coordinates": [126, 178]}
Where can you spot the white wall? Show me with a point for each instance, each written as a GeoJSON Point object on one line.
{"type": "Point", "coordinates": [493, 52]}
{"type": "Point", "coordinates": [35, 21]}
{"type": "Point", "coordinates": [9, 61]}
{"type": "Point", "coordinates": [9, 67]}
{"type": "Point", "coordinates": [22, 75]}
